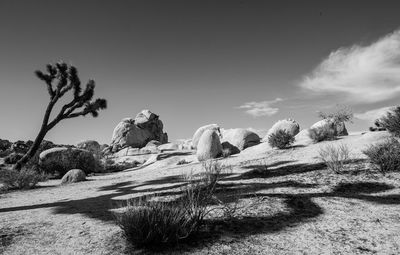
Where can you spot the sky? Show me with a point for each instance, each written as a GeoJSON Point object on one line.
{"type": "Point", "coordinates": [239, 64]}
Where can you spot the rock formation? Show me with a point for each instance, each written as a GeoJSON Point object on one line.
{"type": "Point", "coordinates": [58, 161]}
{"type": "Point", "coordinates": [240, 138]}
{"type": "Point", "coordinates": [338, 128]}
{"type": "Point", "coordinates": [74, 175]}
{"type": "Point", "coordinates": [209, 145]}
{"type": "Point", "coordinates": [200, 131]}
{"type": "Point", "coordinates": [136, 133]}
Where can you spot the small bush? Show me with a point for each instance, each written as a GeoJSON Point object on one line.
{"type": "Point", "coordinates": [391, 121]}
{"type": "Point", "coordinates": [281, 139]}
{"type": "Point", "coordinates": [154, 224]}
{"type": "Point", "coordinates": [320, 134]}
{"type": "Point", "coordinates": [110, 165]}
{"type": "Point", "coordinates": [23, 179]}
{"type": "Point", "coordinates": [13, 158]}
{"type": "Point", "coordinates": [335, 157]}
{"type": "Point", "coordinates": [385, 157]}
{"type": "Point", "coordinates": [182, 162]}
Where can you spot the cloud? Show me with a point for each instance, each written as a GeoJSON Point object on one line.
{"type": "Point", "coordinates": [259, 109]}
{"type": "Point", "coordinates": [364, 74]}
{"type": "Point", "coordinates": [374, 114]}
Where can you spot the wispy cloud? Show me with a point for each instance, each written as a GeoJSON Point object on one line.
{"type": "Point", "coordinates": [374, 114]}
{"type": "Point", "coordinates": [259, 109]}
{"type": "Point", "coordinates": [364, 74]}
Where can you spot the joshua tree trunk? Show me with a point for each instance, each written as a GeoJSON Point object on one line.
{"type": "Point", "coordinates": [39, 138]}
{"type": "Point", "coordinates": [65, 78]}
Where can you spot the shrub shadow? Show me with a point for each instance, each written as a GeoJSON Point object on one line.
{"type": "Point", "coordinates": [265, 171]}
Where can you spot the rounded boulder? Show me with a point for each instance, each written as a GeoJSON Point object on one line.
{"type": "Point", "coordinates": [60, 160]}
{"type": "Point", "coordinates": [74, 175]}
{"type": "Point", "coordinates": [199, 132]}
{"type": "Point", "coordinates": [209, 146]}
{"type": "Point", "coordinates": [288, 125]}
{"type": "Point", "coordinates": [240, 138]}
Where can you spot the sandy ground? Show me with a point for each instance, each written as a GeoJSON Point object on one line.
{"type": "Point", "coordinates": [289, 204]}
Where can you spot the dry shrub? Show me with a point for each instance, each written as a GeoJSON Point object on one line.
{"type": "Point", "coordinates": [13, 158]}
{"type": "Point", "coordinates": [110, 165]}
{"type": "Point", "coordinates": [391, 121]}
{"type": "Point", "coordinates": [320, 134]}
{"type": "Point", "coordinates": [335, 157]}
{"type": "Point", "coordinates": [182, 162]}
{"type": "Point", "coordinates": [26, 178]}
{"type": "Point", "coordinates": [281, 139]}
{"type": "Point", "coordinates": [155, 224]}
{"type": "Point", "coordinates": [385, 157]}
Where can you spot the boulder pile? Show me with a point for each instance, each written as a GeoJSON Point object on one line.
{"type": "Point", "coordinates": [136, 133]}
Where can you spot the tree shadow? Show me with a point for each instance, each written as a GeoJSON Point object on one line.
{"type": "Point", "coordinates": [300, 207]}
{"type": "Point", "coordinates": [98, 207]}
{"type": "Point", "coordinates": [265, 171]}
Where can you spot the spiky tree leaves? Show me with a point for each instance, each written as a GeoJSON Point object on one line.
{"type": "Point", "coordinates": [61, 78]}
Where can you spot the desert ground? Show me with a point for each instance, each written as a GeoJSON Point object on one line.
{"type": "Point", "coordinates": [288, 203]}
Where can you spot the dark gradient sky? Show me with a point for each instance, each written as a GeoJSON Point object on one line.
{"type": "Point", "coordinates": [191, 62]}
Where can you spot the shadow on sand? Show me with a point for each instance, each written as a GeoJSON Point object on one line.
{"type": "Point", "coordinates": [300, 207]}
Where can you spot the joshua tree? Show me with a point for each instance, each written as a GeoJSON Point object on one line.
{"type": "Point", "coordinates": [61, 78]}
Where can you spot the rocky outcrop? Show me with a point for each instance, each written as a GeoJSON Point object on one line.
{"type": "Point", "coordinates": [303, 137]}
{"type": "Point", "coordinates": [199, 132]}
{"type": "Point", "coordinates": [209, 145]}
{"type": "Point", "coordinates": [341, 129]}
{"type": "Point", "coordinates": [136, 133]}
{"type": "Point", "coordinates": [168, 147]}
{"type": "Point", "coordinates": [153, 143]}
{"type": "Point", "coordinates": [58, 161]}
{"type": "Point", "coordinates": [92, 146]}
{"type": "Point", "coordinates": [74, 175]}
{"type": "Point", "coordinates": [240, 138]}
{"type": "Point", "coordinates": [288, 125]}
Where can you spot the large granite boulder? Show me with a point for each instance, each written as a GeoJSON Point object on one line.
{"type": "Point", "coordinates": [90, 145]}
{"type": "Point", "coordinates": [337, 128]}
{"type": "Point", "coordinates": [138, 132]}
{"type": "Point", "coordinates": [199, 132]}
{"type": "Point", "coordinates": [60, 160]}
{"type": "Point", "coordinates": [168, 147]}
{"type": "Point", "coordinates": [288, 125]}
{"type": "Point", "coordinates": [303, 137]}
{"type": "Point", "coordinates": [74, 175]}
{"type": "Point", "coordinates": [240, 138]}
{"type": "Point", "coordinates": [209, 145]}
{"type": "Point", "coordinates": [341, 129]}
